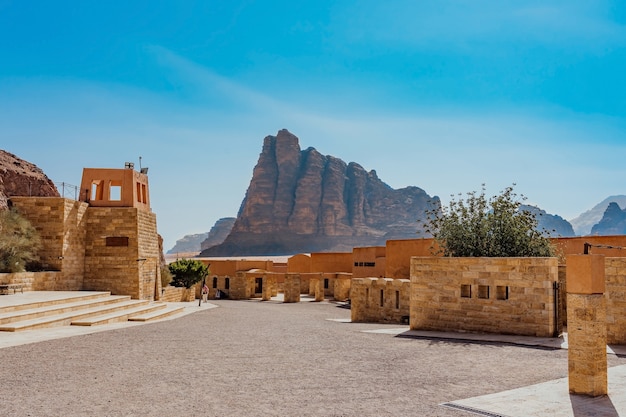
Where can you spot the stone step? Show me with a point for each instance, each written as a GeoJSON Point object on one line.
{"type": "Point", "coordinates": [120, 315]}
{"type": "Point", "coordinates": [158, 314]}
{"type": "Point", "coordinates": [59, 308]}
{"type": "Point", "coordinates": [34, 299]}
{"type": "Point", "coordinates": [65, 319]}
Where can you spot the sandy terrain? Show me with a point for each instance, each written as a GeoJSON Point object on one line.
{"type": "Point", "coordinates": [252, 358]}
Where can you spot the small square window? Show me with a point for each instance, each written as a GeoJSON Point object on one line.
{"type": "Point", "coordinates": [502, 292]}
{"type": "Point", "coordinates": [483, 291]}
{"type": "Point", "coordinates": [466, 291]}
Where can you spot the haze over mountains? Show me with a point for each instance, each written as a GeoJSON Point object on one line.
{"type": "Point", "coordinates": [302, 201]}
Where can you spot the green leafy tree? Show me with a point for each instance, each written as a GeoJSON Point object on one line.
{"type": "Point", "coordinates": [19, 242]}
{"type": "Point", "coordinates": [477, 226]}
{"type": "Point", "coordinates": [187, 272]}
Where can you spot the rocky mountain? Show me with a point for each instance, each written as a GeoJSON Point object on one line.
{"type": "Point", "coordinates": [188, 243]}
{"type": "Point", "coordinates": [613, 221]}
{"type": "Point", "coordinates": [202, 241]}
{"type": "Point", "coordinates": [585, 222]}
{"type": "Point", "coordinates": [21, 178]}
{"type": "Point", "coordinates": [550, 224]}
{"type": "Point", "coordinates": [301, 201]}
{"type": "Point", "coordinates": [218, 232]}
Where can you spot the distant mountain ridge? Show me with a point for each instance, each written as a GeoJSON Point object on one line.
{"type": "Point", "coordinates": [188, 243]}
{"type": "Point", "coordinates": [550, 224]}
{"type": "Point", "coordinates": [584, 223]}
{"type": "Point", "coordinates": [613, 221]}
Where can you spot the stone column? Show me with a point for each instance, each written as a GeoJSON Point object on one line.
{"type": "Point", "coordinates": [586, 325]}
{"type": "Point", "coordinates": [266, 293]}
{"type": "Point", "coordinates": [319, 288]}
{"type": "Point", "coordinates": [292, 288]}
{"type": "Point", "coordinates": [357, 300]}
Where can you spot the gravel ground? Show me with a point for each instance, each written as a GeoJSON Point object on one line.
{"type": "Point", "coordinates": [252, 358]}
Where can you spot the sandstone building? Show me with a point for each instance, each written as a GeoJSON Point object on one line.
{"type": "Point", "coordinates": [106, 241]}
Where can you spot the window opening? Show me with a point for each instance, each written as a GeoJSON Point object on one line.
{"type": "Point", "coordinates": [502, 292]}
{"type": "Point", "coordinates": [466, 291]}
{"type": "Point", "coordinates": [483, 291]}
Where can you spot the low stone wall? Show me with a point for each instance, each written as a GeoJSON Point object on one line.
{"type": "Point", "coordinates": [36, 281]}
{"type": "Point", "coordinates": [615, 275]}
{"type": "Point", "coordinates": [178, 294]}
{"type": "Point", "coordinates": [489, 295]}
{"type": "Point", "coordinates": [380, 300]}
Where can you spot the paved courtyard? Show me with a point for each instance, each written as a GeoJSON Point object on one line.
{"type": "Point", "coordinates": [252, 358]}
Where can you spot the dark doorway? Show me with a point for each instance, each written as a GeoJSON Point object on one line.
{"type": "Point", "coordinates": [258, 285]}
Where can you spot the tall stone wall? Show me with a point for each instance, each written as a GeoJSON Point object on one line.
{"type": "Point", "coordinates": [60, 223]}
{"type": "Point", "coordinates": [491, 295]}
{"type": "Point", "coordinates": [615, 274]}
{"type": "Point", "coordinates": [148, 249]}
{"type": "Point", "coordinates": [380, 300]}
{"type": "Point", "coordinates": [121, 253]}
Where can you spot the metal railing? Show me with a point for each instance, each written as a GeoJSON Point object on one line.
{"type": "Point", "coordinates": [67, 190]}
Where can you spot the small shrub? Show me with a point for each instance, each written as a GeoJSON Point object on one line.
{"type": "Point", "coordinates": [495, 227]}
{"type": "Point", "coordinates": [187, 272]}
{"type": "Point", "coordinates": [19, 242]}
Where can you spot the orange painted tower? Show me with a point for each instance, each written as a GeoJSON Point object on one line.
{"type": "Point", "coordinates": [122, 252]}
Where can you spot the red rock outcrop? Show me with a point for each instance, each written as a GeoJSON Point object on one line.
{"type": "Point", "coordinates": [302, 201]}
{"type": "Point", "coordinates": [21, 178]}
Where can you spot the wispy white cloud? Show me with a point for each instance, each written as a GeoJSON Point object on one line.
{"type": "Point", "coordinates": [431, 24]}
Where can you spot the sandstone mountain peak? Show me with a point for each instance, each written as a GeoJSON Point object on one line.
{"type": "Point", "coordinates": [22, 178]}
{"type": "Point", "coordinates": [302, 201]}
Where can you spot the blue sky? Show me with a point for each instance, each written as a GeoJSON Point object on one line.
{"type": "Point", "coordinates": [444, 95]}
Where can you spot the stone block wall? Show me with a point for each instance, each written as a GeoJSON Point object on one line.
{"type": "Point", "coordinates": [341, 291]}
{"type": "Point", "coordinates": [587, 365]}
{"type": "Point", "coordinates": [178, 294]}
{"type": "Point", "coordinates": [121, 252]}
{"type": "Point", "coordinates": [34, 281]}
{"type": "Point", "coordinates": [148, 249]}
{"type": "Point", "coordinates": [615, 275]}
{"type": "Point", "coordinates": [291, 288]}
{"type": "Point", "coordinates": [216, 282]}
{"type": "Point", "coordinates": [380, 300]}
{"type": "Point", "coordinates": [61, 226]}
{"type": "Point", "coordinates": [239, 287]}
{"type": "Point", "coordinates": [490, 295]}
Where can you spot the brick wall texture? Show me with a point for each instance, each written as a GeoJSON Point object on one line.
{"type": "Point", "coordinates": [491, 295]}
{"type": "Point", "coordinates": [380, 300]}
{"type": "Point", "coordinates": [587, 339]}
{"type": "Point", "coordinates": [615, 287]}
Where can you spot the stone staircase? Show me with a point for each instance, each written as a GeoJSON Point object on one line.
{"type": "Point", "coordinates": [37, 311]}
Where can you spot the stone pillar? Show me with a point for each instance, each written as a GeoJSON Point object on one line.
{"type": "Point", "coordinates": [342, 287]}
{"type": "Point", "coordinates": [357, 300]}
{"type": "Point", "coordinates": [586, 325]}
{"type": "Point", "coordinates": [319, 288]}
{"type": "Point", "coordinates": [266, 293]}
{"type": "Point", "coordinates": [292, 288]}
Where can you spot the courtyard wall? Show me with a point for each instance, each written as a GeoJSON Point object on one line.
{"type": "Point", "coordinates": [490, 295]}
